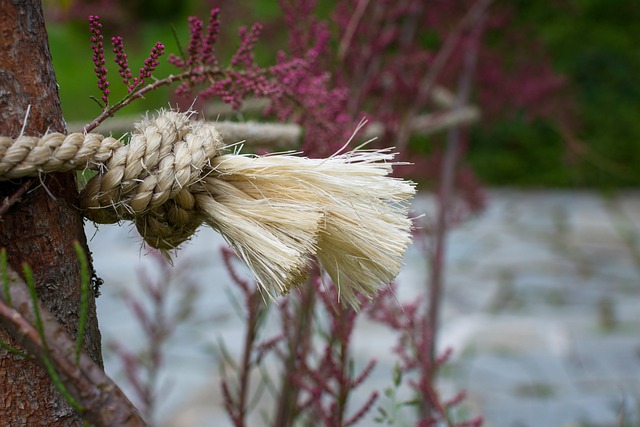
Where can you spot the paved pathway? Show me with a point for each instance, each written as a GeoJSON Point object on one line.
{"type": "Point", "coordinates": [542, 308]}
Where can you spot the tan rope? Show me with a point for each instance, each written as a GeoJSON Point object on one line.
{"type": "Point", "coordinates": [277, 212]}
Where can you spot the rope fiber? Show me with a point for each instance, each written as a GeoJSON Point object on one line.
{"type": "Point", "coordinates": [277, 212]}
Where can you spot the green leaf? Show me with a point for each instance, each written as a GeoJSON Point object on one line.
{"type": "Point", "coordinates": [51, 370]}
{"type": "Point", "coordinates": [13, 350]}
{"type": "Point", "coordinates": [397, 375]}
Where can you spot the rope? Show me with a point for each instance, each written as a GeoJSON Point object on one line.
{"type": "Point", "coordinates": [277, 212]}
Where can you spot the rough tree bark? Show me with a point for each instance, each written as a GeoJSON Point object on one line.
{"type": "Point", "coordinates": [40, 229]}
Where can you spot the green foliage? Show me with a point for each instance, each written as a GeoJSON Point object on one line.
{"type": "Point", "coordinates": [519, 153]}
{"type": "Point", "coordinates": [594, 43]}
{"type": "Point", "coordinates": [63, 5]}
{"type": "Point", "coordinates": [7, 297]}
{"type": "Point", "coordinates": [604, 67]}
{"type": "Point", "coordinates": [390, 414]}
{"type": "Point", "coordinates": [13, 350]}
{"type": "Point", "coordinates": [28, 278]}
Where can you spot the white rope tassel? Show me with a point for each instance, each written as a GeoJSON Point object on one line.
{"type": "Point", "coordinates": [363, 229]}
{"type": "Point", "coordinates": [274, 237]}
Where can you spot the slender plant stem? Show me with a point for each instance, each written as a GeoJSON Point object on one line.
{"type": "Point", "coordinates": [445, 190]}
{"type": "Point", "coordinates": [254, 301]}
{"type": "Point", "coordinates": [84, 297]}
{"type": "Point", "coordinates": [345, 380]}
{"type": "Point", "coordinates": [298, 344]}
{"type": "Point", "coordinates": [351, 29]}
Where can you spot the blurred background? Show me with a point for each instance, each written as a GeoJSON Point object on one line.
{"type": "Point", "coordinates": [573, 62]}
{"type": "Point", "coordinates": [533, 110]}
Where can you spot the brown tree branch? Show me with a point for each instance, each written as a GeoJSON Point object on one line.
{"type": "Point", "coordinates": [103, 403]}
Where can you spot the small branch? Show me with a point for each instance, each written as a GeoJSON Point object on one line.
{"type": "Point", "coordinates": [469, 20]}
{"type": "Point", "coordinates": [253, 302]}
{"type": "Point", "coordinates": [444, 196]}
{"type": "Point", "coordinates": [590, 155]}
{"type": "Point", "coordinates": [351, 29]}
{"type": "Point", "coordinates": [15, 196]}
{"type": "Point", "coordinates": [102, 401]}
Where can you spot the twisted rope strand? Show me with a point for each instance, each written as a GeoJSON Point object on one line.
{"type": "Point", "coordinates": [54, 152]}
{"type": "Point", "coordinates": [277, 212]}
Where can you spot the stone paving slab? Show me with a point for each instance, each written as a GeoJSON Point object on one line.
{"type": "Point", "coordinates": [542, 308]}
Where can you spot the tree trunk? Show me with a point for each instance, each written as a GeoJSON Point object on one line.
{"type": "Point", "coordinates": [41, 228]}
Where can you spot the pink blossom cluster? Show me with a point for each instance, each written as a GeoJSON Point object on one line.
{"type": "Point", "coordinates": [150, 63]}
{"type": "Point", "coordinates": [201, 46]}
{"type": "Point", "coordinates": [97, 46]}
{"type": "Point", "coordinates": [313, 101]}
{"type": "Point", "coordinates": [321, 370]}
{"type": "Point", "coordinates": [377, 58]}
{"type": "Point", "coordinates": [381, 55]}
{"type": "Point", "coordinates": [121, 60]}
{"type": "Point", "coordinates": [243, 77]}
{"type": "Point", "coordinates": [316, 96]}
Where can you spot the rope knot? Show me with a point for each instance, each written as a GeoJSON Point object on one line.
{"type": "Point", "coordinates": [149, 180]}
{"type": "Point", "coordinates": [279, 213]}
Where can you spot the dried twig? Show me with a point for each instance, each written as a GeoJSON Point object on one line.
{"type": "Point", "coordinates": [15, 196]}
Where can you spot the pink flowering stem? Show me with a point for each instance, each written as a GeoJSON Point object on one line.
{"type": "Point", "coordinates": [97, 46]}
{"type": "Point", "coordinates": [144, 90]}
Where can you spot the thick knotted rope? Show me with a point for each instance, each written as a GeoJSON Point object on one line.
{"type": "Point", "coordinates": [277, 212]}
